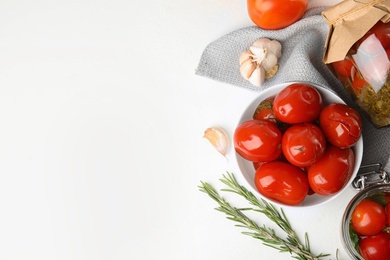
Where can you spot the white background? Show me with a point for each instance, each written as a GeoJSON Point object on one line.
{"type": "Point", "coordinates": [101, 134]}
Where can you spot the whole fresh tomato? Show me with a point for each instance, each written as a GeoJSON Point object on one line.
{"type": "Point", "coordinates": [297, 103]}
{"type": "Point", "coordinates": [275, 14]}
{"type": "Point", "coordinates": [375, 247]}
{"type": "Point", "coordinates": [387, 209]}
{"type": "Point", "coordinates": [332, 172]}
{"type": "Point", "coordinates": [341, 124]}
{"type": "Point", "coordinates": [282, 182]}
{"type": "Point", "coordinates": [368, 218]}
{"type": "Point", "coordinates": [303, 144]}
{"type": "Point", "coordinates": [258, 140]}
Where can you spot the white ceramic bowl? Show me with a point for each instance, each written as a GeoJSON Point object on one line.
{"type": "Point", "coordinates": [246, 167]}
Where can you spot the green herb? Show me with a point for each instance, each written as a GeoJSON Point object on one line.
{"type": "Point", "coordinates": [354, 238]}
{"type": "Point", "coordinates": [291, 243]}
{"type": "Point", "coordinates": [380, 197]}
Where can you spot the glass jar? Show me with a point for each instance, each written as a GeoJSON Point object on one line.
{"type": "Point", "coordinates": [349, 238]}
{"type": "Point", "coordinates": [365, 73]}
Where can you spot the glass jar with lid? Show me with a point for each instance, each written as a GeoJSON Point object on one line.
{"type": "Point", "coordinates": [365, 70]}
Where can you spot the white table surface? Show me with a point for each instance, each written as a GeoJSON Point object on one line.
{"type": "Point", "coordinates": [101, 136]}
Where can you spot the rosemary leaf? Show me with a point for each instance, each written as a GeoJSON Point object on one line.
{"type": "Point", "coordinates": [291, 243]}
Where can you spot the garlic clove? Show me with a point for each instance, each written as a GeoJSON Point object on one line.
{"type": "Point", "coordinates": [262, 42]}
{"type": "Point", "coordinates": [270, 62]}
{"type": "Point", "coordinates": [247, 55]}
{"type": "Point", "coordinates": [259, 53]}
{"type": "Point", "coordinates": [272, 46]}
{"type": "Point", "coordinates": [247, 68]}
{"type": "Point", "coordinates": [270, 73]}
{"type": "Point", "coordinates": [276, 48]}
{"type": "Point", "coordinates": [218, 138]}
{"type": "Point", "coordinates": [258, 76]}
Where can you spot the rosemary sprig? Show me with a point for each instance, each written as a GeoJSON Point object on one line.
{"type": "Point", "coordinates": [291, 243]}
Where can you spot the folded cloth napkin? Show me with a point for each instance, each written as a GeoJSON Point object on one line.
{"type": "Point", "coordinates": [302, 52]}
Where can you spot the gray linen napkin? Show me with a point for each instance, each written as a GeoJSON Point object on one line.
{"type": "Point", "coordinates": [302, 52]}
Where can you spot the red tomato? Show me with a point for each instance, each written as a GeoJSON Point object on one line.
{"type": "Point", "coordinates": [258, 140]}
{"type": "Point", "coordinates": [386, 199]}
{"type": "Point", "coordinates": [298, 103]}
{"type": "Point", "coordinates": [381, 31]}
{"type": "Point", "coordinates": [282, 182]}
{"type": "Point", "coordinates": [281, 158]}
{"type": "Point", "coordinates": [310, 191]}
{"type": "Point", "coordinates": [341, 124]}
{"type": "Point", "coordinates": [257, 165]}
{"type": "Point", "coordinates": [264, 110]}
{"type": "Point", "coordinates": [303, 144]}
{"type": "Point", "coordinates": [368, 218]}
{"type": "Point", "coordinates": [387, 209]}
{"type": "Point", "coordinates": [375, 247]}
{"type": "Point", "coordinates": [344, 67]}
{"type": "Point", "coordinates": [358, 82]}
{"type": "Point", "coordinates": [332, 172]}
{"type": "Point", "coordinates": [346, 70]}
{"type": "Point", "coordinates": [275, 14]}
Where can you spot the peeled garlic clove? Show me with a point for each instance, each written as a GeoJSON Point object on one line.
{"type": "Point", "coordinates": [245, 56]}
{"type": "Point", "coordinates": [247, 68]}
{"type": "Point", "coordinates": [218, 138]}
{"type": "Point", "coordinates": [258, 76]}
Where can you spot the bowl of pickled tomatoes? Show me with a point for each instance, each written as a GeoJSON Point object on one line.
{"type": "Point", "coordinates": [298, 144]}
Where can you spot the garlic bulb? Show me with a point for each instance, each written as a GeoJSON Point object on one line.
{"type": "Point", "coordinates": [218, 138]}
{"type": "Point", "coordinates": [260, 62]}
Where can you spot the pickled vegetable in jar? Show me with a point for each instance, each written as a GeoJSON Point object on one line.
{"type": "Point", "coordinates": [365, 73]}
